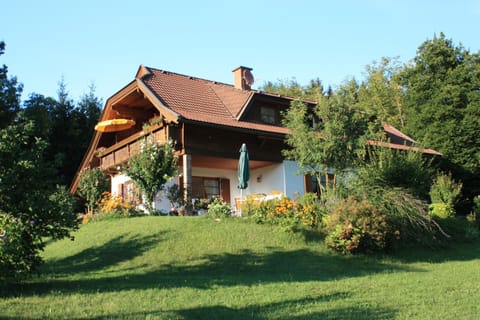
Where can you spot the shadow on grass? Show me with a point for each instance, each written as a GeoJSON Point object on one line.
{"type": "Point", "coordinates": [91, 260]}
{"type": "Point", "coordinates": [452, 251]}
{"type": "Point", "coordinates": [86, 271]}
{"type": "Point", "coordinates": [275, 310]}
{"type": "Point", "coordinates": [115, 251]}
{"type": "Point", "coordinates": [243, 268]}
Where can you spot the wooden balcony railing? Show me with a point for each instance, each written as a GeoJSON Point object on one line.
{"type": "Point", "coordinates": [119, 153]}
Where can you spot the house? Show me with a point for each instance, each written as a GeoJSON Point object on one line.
{"type": "Point", "coordinates": [209, 121]}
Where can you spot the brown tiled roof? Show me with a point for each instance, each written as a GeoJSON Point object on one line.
{"type": "Point", "coordinates": [400, 141]}
{"type": "Point", "coordinates": [396, 134]}
{"type": "Point", "coordinates": [402, 147]}
{"type": "Point", "coordinates": [204, 101]}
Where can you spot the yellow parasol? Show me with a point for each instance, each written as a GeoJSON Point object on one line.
{"type": "Point", "coordinates": [114, 125]}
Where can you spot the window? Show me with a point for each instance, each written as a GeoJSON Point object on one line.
{"type": "Point", "coordinates": [205, 188]}
{"type": "Point", "coordinates": [130, 192]}
{"type": "Point", "coordinates": [268, 115]}
{"type": "Point", "coordinates": [311, 183]}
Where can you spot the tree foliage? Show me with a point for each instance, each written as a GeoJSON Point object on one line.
{"type": "Point", "coordinates": [31, 207]}
{"type": "Point", "coordinates": [10, 92]}
{"type": "Point", "coordinates": [151, 168]}
{"type": "Point", "coordinates": [66, 127]}
{"type": "Point", "coordinates": [326, 137]}
{"type": "Point", "coordinates": [291, 88]}
{"type": "Point", "coordinates": [381, 94]}
{"type": "Point", "coordinates": [442, 101]}
{"type": "Point", "coordinates": [93, 183]}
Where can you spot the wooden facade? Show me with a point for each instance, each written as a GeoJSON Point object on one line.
{"type": "Point", "coordinates": [208, 121]}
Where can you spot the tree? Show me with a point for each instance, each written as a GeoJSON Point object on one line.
{"type": "Point", "coordinates": [90, 108]}
{"type": "Point", "coordinates": [381, 94]}
{"type": "Point", "coordinates": [442, 104]}
{"type": "Point", "coordinates": [291, 88]}
{"type": "Point", "coordinates": [38, 109]}
{"type": "Point", "coordinates": [10, 92]}
{"type": "Point", "coordinates": [32, 208]}
{"type": "Point", "coordinates": [67, 128]}
{"type": "Point", "coordinates": [327, 137]}
{"type": "Point", "coordinates": [92, 184]}
{"type": "Point", "coordinates": [151, 168]}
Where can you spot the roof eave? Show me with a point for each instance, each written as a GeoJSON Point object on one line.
{"type": "Point", "coordinates": [234, 128]}
{"type": "Point", "coordinates": [169, 114]}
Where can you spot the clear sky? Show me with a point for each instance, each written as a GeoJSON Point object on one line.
{"type": "Point", "coordinates": [103, 42]}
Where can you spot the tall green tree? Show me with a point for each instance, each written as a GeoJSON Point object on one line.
{"type": "Point", "coordinates": [381, 94]}
{"type": "Point", "coordinates": [38, 109]}
{"type": "Point", "coordinates": [91, 106]}
{"type": "Point", "coordinates": [66, 127]}
{"type": "Point", "coordinates": [151, 168]}
{"type": "Point", "coordinates": [442, 104]}
{"type": "Point", "coordinates": [10, 92]}
{"type": "Point", "coordinates": [328, 136]}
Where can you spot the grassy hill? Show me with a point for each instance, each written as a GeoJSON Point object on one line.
{"type": "Point", "coordinates": [196, 268]}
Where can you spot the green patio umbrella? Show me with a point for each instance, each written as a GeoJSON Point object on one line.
{"type": "Point", "coordinates": [243, 168]}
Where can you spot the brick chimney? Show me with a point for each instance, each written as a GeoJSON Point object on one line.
{"type": "Point", "coordinates": [242, 78]}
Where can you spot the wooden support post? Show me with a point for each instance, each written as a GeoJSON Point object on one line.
{"type": "Point", "coordinates": [187, 182]}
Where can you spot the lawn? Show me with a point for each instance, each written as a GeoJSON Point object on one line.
{"type": "Point", "coordinates": [196, 268]}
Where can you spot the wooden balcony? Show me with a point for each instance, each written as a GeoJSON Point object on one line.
{"type": "Point", "coordinates": [118, 154]}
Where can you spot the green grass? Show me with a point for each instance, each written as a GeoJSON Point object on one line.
{"type": "Point", "coordinates": [196, 268]}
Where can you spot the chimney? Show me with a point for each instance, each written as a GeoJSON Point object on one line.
{"type": "Point", "coordinates": [242, 78]}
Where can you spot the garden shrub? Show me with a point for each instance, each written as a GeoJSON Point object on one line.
{"type": "Point", "coordinates": [218, 209]}
{"type": "Point", "coordinates": [445, 190]}
{"type": "Point", "coordinates": [472, 231]}
{"type": "Point", "coordinates": [444, 195]}
{"type": "Point", "coordinates": [357, 226]}
{"type": "Point", "coordinates": [310, 210]}
{"type": "Point", "coordinates": [111, 207]}
{"type": "Point", "coordinates": [441, 210]}
{"type": "Point", "coordinates": [306, 210]}
{"type": "Point", "coordinates": [23, 236]}
{"type": "Point", "coordinates": [18, 255]}
{"type": "Point", "coordinates": [476, 206]}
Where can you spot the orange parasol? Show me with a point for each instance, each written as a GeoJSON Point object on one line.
{"type": "Point", "coordinates": [114, 125]}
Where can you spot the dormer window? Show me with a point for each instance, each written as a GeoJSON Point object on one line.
{"type": "Point", "coordinates": [268, 115]}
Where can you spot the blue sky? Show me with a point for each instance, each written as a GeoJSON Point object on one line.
{"type": "Point", "coordinates": [104, 42]}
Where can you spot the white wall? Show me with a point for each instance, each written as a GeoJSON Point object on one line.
{"type": "Point", "coordinates": [294, 182]}
{"type": "Point", "coordinates": [266, 179]}
{"type": "Point", "coordinates": [278, 177]}
{"type": "Point", "coordinates": [117, 180]}
{"type": "Point", "coordinates": [160, 203]}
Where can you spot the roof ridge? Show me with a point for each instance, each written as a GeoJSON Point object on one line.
{"type": "Point", "coordinates": [192, 77]}
{"type": "Point", "coordinates": [278, 95]}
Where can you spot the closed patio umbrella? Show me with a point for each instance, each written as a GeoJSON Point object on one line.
{"type": "Point", "coordinates": [243, 169]}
